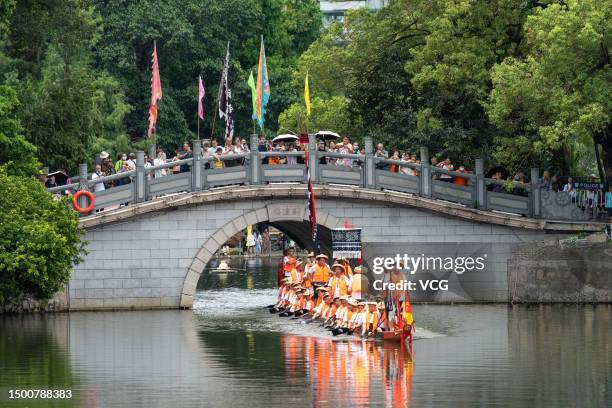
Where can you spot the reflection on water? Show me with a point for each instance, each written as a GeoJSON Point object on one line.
{"type": "Point", "coordinates": [231, 352]}
{"type": "Point", "coordinates": [260, 274]}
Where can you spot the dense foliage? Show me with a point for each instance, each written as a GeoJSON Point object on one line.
{"type": "Point", "coordinates": [81, 68]}
{"type": "Point", "coordinates": [558, 96]}
{"type": "Point", "coordinates": [39, 240]}
{"type": "Point", "coordinates": [520, 83]}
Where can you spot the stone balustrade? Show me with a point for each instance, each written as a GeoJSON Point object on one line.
{"type": "Point", "coordinates": [365, 171]}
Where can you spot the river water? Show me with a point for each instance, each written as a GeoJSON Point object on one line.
{"type": "Point", "coordinates": [230, 352]}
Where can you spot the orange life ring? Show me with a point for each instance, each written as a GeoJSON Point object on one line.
{"type": "Point", "coordinates": [76, 197]}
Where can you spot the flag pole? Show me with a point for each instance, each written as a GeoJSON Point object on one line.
{"type": "Point", "coordinates": [212, 132]}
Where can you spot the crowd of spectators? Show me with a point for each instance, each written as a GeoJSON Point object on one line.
{"type": "Point", "coordinates": [221, 155]}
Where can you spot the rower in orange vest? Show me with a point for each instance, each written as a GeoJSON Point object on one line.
{"type": "Point", "coordinates": [340, 312]}
{"type": "Point", "coordinates": [309, 304]}
{"type": "Point", "coordinates": [289, 261]}
{"type": "Point", "coordinates": [306, 277]}
{"type": "Point", "coordinates": [331, 314]}
{"type": "Point", "coordinates": [320, 291]}
{"type": "Point", "coordinates": [309, 268]}
{"type": "Point", "coordinates": [296, 272]}
{"type": "Point", "coordinates": [370, 326]}
{"type": "Point", "coordinates": [330, 308]}
{"type": "Point", "coordinates": [347, 266]}
{"type": "Point", "coordinates": [321, 271]}
{"type": "Point", "coordinates": [323, 310]}
{"type": "Point", "coordinates": [340, 283]}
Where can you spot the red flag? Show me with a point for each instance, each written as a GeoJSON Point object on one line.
{"type": "Point", "coordinates": [312, 209]}
{"type": "Point", "coordinates": [201, 94]}
{"type": "Point", "coordinates": [156, 91]}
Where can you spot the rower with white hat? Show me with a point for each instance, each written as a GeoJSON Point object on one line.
{"type": "Point", "coordinates": [321, 272]}
{"type": "Point", "coordinates": [339, 283]}
{"type": "Point", "coordinates": [346, 318]}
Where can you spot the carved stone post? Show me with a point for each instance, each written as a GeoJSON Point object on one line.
{"type": "Point", "coordinates": [369, 163]}
{"type": "Point", "coordinates": [313, 158]}
{"type": "Point", "coordinates": [536, 210]}
{"type": "Point", "coordinates": [481, 186]}
{"type": "Point", "coordinates": [256, 169]}
{"type": "Point", "coordinates": [140, 187]}
{"type": "Point", "coordinates": [83, 184]}
{"type": "Point", "coordinates": [425, 173]}
{"type": "Point", "coordinates": [196, 169]}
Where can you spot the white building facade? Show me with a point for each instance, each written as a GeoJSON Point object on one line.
{"type": "Point", "coordinates": [335, 10]}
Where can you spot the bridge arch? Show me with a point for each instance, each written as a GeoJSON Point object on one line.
{"type": "Point", "coordinates": [277, 214]}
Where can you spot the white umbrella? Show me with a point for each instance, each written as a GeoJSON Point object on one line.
{"type": "Point", "coordinates": [327, 135]}
{"type": "Point", "coordinates": [285, 138]}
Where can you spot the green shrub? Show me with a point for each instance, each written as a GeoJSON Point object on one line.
{"type": "Point", "coordinates": [39, 240]}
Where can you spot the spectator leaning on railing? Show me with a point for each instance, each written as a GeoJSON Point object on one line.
{"type": "Point", "coordinates": [158, 161]}
{"type": "Point", "coordinates": [570, 188]}
{"type": "Point", "coordinates": [96, 175]}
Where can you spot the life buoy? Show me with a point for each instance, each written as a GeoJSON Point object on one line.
{"type": "Point", "coordinates": [90, 197]}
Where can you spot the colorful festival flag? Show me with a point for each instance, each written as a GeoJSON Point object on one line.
{"type": "Point", "coordinates": [251, 83]}
{"type": "Point", "coordinates": [263, 86]}
{"type": "Point", "coordinates": [312, 209]}
{"type": "Point", "coordinates": [307, 94]}
{"type": "Point", "coordinates": [156, 91]}
{"type": "Point", "coordinates": [201, 93]}
{"type": "Point", "coordinates": [249, 233]}
{"type": "Point", "coordinates": [225, 98]}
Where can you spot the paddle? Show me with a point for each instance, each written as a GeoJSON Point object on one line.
{"type": "Point", "coordinates": [380, 321]}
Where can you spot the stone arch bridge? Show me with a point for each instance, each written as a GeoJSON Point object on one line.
{"type": "Point", "coordinates": [151, 254]}
{"type": "Point", "coordinates": [151, 237]}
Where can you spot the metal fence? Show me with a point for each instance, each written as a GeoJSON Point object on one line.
{"type": "Point", "coordinates": [364, 171]}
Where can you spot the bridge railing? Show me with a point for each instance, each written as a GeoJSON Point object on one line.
{"type": "Point", "coordinates": [202, 172]}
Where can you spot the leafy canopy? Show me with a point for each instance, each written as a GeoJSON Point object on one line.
{"type": "Point", "coordinates": [561, 91]}
{"type": "Point", "coordinates": [39, 240]}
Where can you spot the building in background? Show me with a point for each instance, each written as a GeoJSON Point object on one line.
{"type": "Point", "coordinates": [334, 10]}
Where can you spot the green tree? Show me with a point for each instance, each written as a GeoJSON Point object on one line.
{"type": "Point", "coordinates": [325, 114]}
{"type": "Point", "coordinates": [560, 92]}
{"type": "Point", "coordinates": [39, 240]}
{"type": "Point", "coordinates": [65, 103]}
{"type": "Point", "coordinates": [67, 109]}
{"type": "Point", "coordinates": [451, 70]}
{"type": "Point", "coordinates": [363, 60]}
{"type": "Point", "coordinates": [191, 40]}
{"type": "Point", "coordinates": [17, 155]}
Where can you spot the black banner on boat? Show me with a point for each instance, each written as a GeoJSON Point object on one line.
{"type": "Point", "coordinates": [346, 242]}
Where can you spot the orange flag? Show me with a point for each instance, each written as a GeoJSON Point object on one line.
{"type": "Point", "coordinates": [156, 91]}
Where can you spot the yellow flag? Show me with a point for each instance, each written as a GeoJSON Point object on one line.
{"type": "Point", "coordinates": [307, 94]}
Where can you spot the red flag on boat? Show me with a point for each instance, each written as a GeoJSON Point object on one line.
{"type": "Point", "coordinates": [201, 94]}
{"type": "Point", "coordinates": [156, 91]}
{"type": "Point", "coordinates": [314, 231]}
